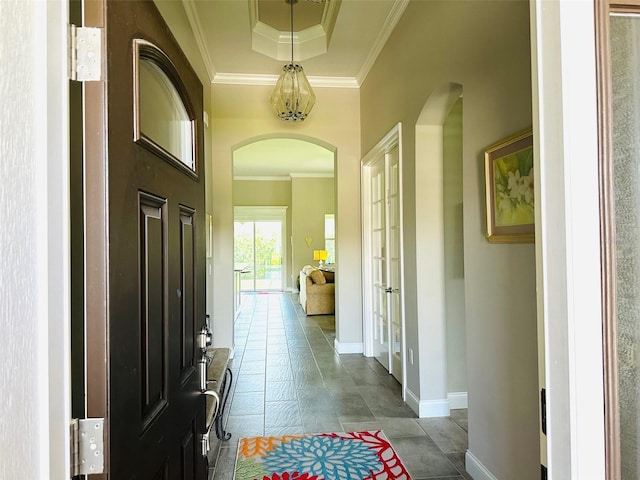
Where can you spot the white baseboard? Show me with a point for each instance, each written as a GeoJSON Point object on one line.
{"type": "Point", "coordinates": [476, 469]}
{"type": "Point", "coordinates": [412, 401]}
{"type": "Point", "coordinates": [457, 400]}
{"type": "Point", "coordinates": [428, 408]}
{"type": "Point", "coordinates": [342, 347]}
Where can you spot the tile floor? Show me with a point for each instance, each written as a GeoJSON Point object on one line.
{"type": "Point", "coordinates": [288, 379]}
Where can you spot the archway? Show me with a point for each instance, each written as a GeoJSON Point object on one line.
{"type": "Point", "coordinates": [441, 315]}
{"type": "Point", "coordinates": [295, 172]}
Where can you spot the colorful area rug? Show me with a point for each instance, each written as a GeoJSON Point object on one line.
{"type": "Point", "coordinates": [326, 456]}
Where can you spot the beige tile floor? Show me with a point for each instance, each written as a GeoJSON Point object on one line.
{"type": "Point", "coordinates": [288, 379]}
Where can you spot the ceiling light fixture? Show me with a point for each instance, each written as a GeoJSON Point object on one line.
{"type": "Point", "coordinates": [293, 97]}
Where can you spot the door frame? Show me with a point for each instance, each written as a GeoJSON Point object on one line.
{"type": "Point", "coordinates": [567, 249]}
{"type": "Point", "coordinates": [391, 140]}
{"type": "Point", "coordinates": [95, 238]}
{"type": "Point", "coordinates": [52, 243]}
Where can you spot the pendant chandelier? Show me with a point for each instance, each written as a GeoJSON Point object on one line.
{"type": "Point", "coordinates": [293, 97]}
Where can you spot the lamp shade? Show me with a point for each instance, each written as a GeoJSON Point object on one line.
{"type": "Point", "coordinates": [320, 255]}
{"type": "Point", "coordinates": [292, 97]}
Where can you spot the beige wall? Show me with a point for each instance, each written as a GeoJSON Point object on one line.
{"type": "Point", "coordinates": [261, 193]}
{"type": "Point", "coordinates": [248, 193]}
{"type": "Point", "coordinates": [483, 46]}
{"type": "Point", "coordinates": [240, 113]}
{"type": "Point", "coordinates": [312, 198]}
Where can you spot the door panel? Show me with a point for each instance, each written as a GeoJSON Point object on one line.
{"type": "Point", "coordinates": [393, 274]}
{"type": "Point", "coordinates": [149, 274]}
{"type": "Point", "coordinates": [379, 264]}
{"type": "Point", "coordinates": [386, 262]}
{"type": "Point", "coordinates": [187, 312]}
{"type": "Point", "coordinates": [151, 299]}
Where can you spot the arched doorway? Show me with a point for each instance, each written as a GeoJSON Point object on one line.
{"type": "Point", "coordinates": [293, 173]}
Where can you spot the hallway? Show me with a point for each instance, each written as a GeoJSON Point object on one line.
{"type": "Point", "coordinates": [288, 379]}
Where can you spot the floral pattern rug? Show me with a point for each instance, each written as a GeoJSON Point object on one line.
{"type": "Point", "coordinates": [325, 456]}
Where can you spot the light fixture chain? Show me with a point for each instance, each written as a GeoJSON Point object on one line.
{"type": "Point", "coordinates": [291, 2]}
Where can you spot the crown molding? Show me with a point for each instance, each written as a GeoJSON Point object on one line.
{"type": "Point", "coordinates": [198, 33]}
{"type": "Point", "coordinates": [281, 178]}
{"type": "Point", "coordinates": [264, 178]}
{"type": "Point", "coordinates": [334, 82]}
{"type": "Point", "coordinates": [311, 175]}
{"type": "Point", "coordinates": [385, 32]}
{"type": "Point", "coordinates": [257, 79]}
{"type": "Point", "coordinates": [244, 79]}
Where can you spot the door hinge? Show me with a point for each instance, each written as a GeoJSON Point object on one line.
{"type": "Point", "coordinates": [87, 446]}
{"type": "Point", "coordinates": [85, 53]}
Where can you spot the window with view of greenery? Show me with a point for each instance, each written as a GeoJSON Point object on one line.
{"type": "Point", "coordinates": [330, 237]}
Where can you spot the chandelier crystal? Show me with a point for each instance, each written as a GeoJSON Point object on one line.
{"type": "Point", "coordinates": [293, 97]}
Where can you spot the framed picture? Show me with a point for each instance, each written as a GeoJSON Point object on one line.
{"type": "Point", "coordinates": [509, 181]}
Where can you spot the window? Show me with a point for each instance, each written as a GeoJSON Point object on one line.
{"type": "Point", "coordinates": [162, 119]}
{"type": "Point", "coordinates": [330, 237]}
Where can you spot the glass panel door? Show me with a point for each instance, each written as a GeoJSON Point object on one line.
{"type": "Point", "coordinates": [258, 254]}
{"type": "Point", "coordinates": [393, 274]}
{"type": "Point", "coordinates": [379, 264]}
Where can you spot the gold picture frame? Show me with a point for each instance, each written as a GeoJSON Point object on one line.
{"type": "Point", "coordinates": [510, 199]}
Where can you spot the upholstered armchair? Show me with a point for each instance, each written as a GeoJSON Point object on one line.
{"type": "Point", "coordinates": [317, 291]}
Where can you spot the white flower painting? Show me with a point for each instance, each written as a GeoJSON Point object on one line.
{"type": "Point", "coordinates": [514, 197]}
{"type": "Point", "coordinates": [510, 190]}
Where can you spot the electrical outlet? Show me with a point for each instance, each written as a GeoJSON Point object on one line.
{"type": "Point", "coordinates": [411, 356]}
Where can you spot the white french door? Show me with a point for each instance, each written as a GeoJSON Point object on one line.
{"type": "Point", "coordinates": [394, 264]}
{"type": "Point", "coordinates": [382, 247]}
{"type": "Point", "coordinates": [378, 238]}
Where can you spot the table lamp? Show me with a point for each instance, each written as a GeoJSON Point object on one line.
{"type": "Point", "coordinates": [320, 255]}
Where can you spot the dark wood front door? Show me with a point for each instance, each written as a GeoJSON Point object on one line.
{"type": "Point", "coordinates": [145, 246]}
